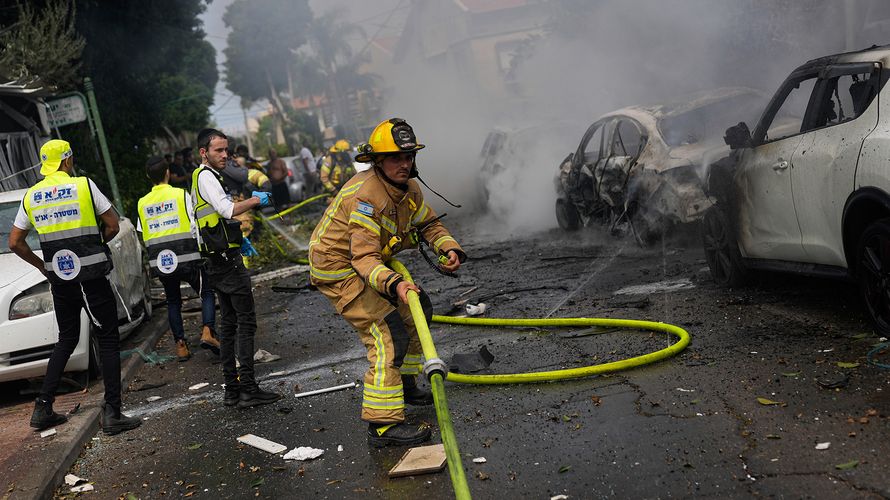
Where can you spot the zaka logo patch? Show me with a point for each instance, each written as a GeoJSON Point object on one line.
{"type": "Point", "coordinates": [57, 193]}
{"type": "Point", "coordinates": [66, 264]}
{"type": "Point", "coordinates": [167, 261]}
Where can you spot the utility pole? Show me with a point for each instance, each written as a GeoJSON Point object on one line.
{"type": "Point", "coordinates": [103, 145]}
{"type": "Point", "coordinates": [247, 132]}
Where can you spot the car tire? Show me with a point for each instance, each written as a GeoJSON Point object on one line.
{"type": "Point", "coordinates": [567, 215]}
{"type": "Point", "coordinates": [95, 359]}
{"type": "Point", "coordinates": [722, 249]}
{"type": "Point", "coordinates": [872, 265]}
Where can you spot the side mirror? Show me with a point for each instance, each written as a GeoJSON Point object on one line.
{"type": "Point", "coordinates": [738, 136]}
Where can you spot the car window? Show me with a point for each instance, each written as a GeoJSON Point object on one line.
{"type": "Point", "coordinates": [627, 139]}
{"type": "Point", "coordinates": [844, 94]}
{"type": "Point", "coordinates": [705, 122]}
{"type": "Point", "coordinates": [7, 217]}
{"type": "Point", "coordinates": [594, 144]}
{"type": "Point", "coordinates": [793, 109]}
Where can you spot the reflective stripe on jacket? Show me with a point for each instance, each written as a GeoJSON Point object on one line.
{"type": "Point", "coordinates": [205, 214]}
{"type": "Point", "coordinates": [60, 208]}
{"type": "Point", "coordinates": [360, 221]}
{"type": "Point", "coordinates": [335, 172]}
{"type": "Point", "coordinates": [166, 230]}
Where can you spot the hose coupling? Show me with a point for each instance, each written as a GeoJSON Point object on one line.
{"type": "Point", "coordinates": [433, 366]}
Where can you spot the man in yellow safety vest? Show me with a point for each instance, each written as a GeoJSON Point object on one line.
{"type": "Point", "coordinates": [169, 232]}
{"type": "Point", "coordinates": [66, 212]}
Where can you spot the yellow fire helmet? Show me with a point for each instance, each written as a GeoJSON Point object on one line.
{"type": "Point", "coordinates": [340, 146]}
{"type": "Point", "coordinates": [391, 136]}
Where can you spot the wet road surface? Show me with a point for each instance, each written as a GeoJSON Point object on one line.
{"type": "Point", "coordinates": [688, 426]}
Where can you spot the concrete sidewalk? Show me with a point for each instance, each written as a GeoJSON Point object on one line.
{"type": "Point", "coordinates": [33, 467]}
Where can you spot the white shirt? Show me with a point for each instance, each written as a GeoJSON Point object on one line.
{"type": "Point", "coordinates": [100, 203]}
{"type": "Point", "coordinates": [305, 154]}
{"type": "Point", "coordinates": [188, 209]}
{"type": "Point", "coordinates": [212, 191]}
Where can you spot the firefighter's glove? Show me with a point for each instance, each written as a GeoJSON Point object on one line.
{"type": "Point", "coordinates": [247, 248]}
{"type": "Point", "coordinates": [265, 198]}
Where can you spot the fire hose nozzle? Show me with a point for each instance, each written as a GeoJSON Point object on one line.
{"type": "Point", "coordinates": [435, 365]}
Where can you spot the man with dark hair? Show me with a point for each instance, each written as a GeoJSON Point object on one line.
{"type": "Point", "coordinates": [66, 212]}
{"type": "Point", "coordinates": [188, 161]}
{"type": "Point", "coordinates": [168, 228]}
{"type": "Point", "coordinates": [223, 245]}
{"type": "Point", "coordinates": [178, 176]}
{"type": "Point", "coordinates": [277, 171]}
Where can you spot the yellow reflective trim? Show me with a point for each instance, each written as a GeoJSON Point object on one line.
{"type": "Point", "coordinates": [372, 279]}
{"type": "Point", "coordinates": [383, 406]}
{"type": "Point", "coordinates": [364, 221]}
{"type": "Point", "coordinates": [381, 355]}
{"type": "Point", "coordinates": [439, 242]}
{"type": "Point", "coordinates": [420, 214]}
{"type": "Point", "coordinates": [388, 224]}
{"type": "Point", "coordinates": [385, 391]}
{"type": "Point", "coordinates": [328, 216]}
{"type": "Point", "coordinates": [331, 275]}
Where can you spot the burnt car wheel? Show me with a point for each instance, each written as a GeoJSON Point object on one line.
{"type": "Point", "coordinates": [873, 272]}
{"type": "Point", "coordinates": [721, 249]}
{"type": "Point", "coordinates": [567, 215]}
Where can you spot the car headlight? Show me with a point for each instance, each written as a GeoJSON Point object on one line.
{"type": "Point", "coordinates": [34, 301]}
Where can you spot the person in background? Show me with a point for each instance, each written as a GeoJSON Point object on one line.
{"type": "Point", "coordinates": [309, 170]}
{"type": "Point", "coordinates": [257, 180]}
{"type": "Point", "coordinates": [337, 167]}
{"type": "Point", "coordinates": [277, 171]}
{"type": "Point", "coordinates": [224, 246]}
{"type": "Point", "coordinates": [234, 175]}
{"type": "Point", "coordinates": [188, 162]}
{"type": "Point", "coordinates": [169, 232]}
{"type": "Point", "coordinates": [74, 221]}
{"type": "Point", "coordinates": [178, 176]}
{"type": "Point", "coordinates": [168, 158]}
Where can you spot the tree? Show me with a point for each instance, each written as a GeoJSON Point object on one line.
{"type": "Point", "coordinates": [260, 43]}
{"type": "Point", "coordinates": [42, 44]}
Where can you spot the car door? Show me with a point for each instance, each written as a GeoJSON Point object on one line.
{"type": "Point", "coordinates": [627, 141]}
{"type": "Point", "coordinates": [824, 167]}
{"type": "Point", "coordinates": [581, 185]}
{"type": "Point", "coordinates": [767, 224]}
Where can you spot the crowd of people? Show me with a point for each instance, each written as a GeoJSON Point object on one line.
{"type": "Point", "coordinates": [189, 222]}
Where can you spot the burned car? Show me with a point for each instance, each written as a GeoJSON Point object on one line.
{"type": "Point", "coordinates": [808, 191]}
{"type": "Point", "coordinates": [641, 167]}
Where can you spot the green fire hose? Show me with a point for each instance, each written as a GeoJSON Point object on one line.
{"type": "Point", "coordinates": [435, 369]}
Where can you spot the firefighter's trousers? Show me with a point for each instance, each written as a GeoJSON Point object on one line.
{"type": "Point", "coordinates": [389, 335]}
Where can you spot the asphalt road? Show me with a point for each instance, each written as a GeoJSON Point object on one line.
{"type": "Point", "coordinates": [688, 426]}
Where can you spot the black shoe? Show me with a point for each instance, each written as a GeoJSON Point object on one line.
{"type": "Point", "coordinates": [414, 395]}
{"type": "Point", "coordinates": [233, 394]}
{"type": "Point", "coordinates": [44, 417]}
{"type": "Point", "coordinates": [401, 434]}
{"type": "Point", "coordinates": [115, 422]}
{"type": "Point", "coordinates": [254, 396]}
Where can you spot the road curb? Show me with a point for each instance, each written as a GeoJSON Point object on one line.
{"type": "Point", "coordinates": [44, 483]}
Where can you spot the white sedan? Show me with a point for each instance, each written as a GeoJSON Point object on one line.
{"type": "Point", "coordinates": [28, 328]}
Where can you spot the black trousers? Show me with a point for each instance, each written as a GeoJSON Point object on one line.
{"type": "Point", "coordinates": [237, 324]}
{"type": "Point", "coordinates": [98, 299]}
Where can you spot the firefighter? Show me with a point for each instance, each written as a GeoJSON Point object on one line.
{"type": "Point", "coordinates": [165, 220]}
{"type": "Point", "coordinates": [223, 245]}
{"type": "Point", "coordinates": [67, 211]}
{"type": "Point", "coordinates": [336, 167]}
{"type": "Point", "coordinates": [371, 218]}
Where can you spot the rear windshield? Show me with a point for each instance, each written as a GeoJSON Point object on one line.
{"type": "Point", "coordinates": [709, 121]}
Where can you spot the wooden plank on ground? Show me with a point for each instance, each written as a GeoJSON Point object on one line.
{"type": "Point", "coordinates": [420, 460]}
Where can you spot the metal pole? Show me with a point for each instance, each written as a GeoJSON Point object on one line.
{"type": "Point", "coordinates": [103, 145]}
{"type": "Point", "coordinates": [247, 132]}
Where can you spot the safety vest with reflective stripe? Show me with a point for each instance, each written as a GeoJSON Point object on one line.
{"type": "Point", "coordinates": [205, 214]}
{"type": "Point", "coordinates": [166, 230]}
{"type": "Point", "coordinates": [60, 208]}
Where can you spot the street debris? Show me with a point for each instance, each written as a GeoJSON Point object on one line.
{"type": "Point", "coordinates": [833, 382]}
{"type": "Point", "coordinates": [152, 399]}
{"type": "Point", "coordinates": [149, 385]}
{"type": "Point", "coordinates": [685, 390]}
{"type": "Point", "coordinates": [479, 460]}
{"type": "Point", "coordinates": [660, 286]}
{"type": "Point", "coordinates": [262, 443]}
{"type": "Point", "coordinates": [152, 358]}
{"type": "Point", "coordinates": [339, 447]}
{"type": "Point", "coordinates": [586, 332]}
{"type": "Point", "coordinates": [475, 310]}
{"type": "Point", "coordinates": [770, 402]}
{"type": "Point", "coordinates": [420, 460]}
{"type": "Point", "coordinates": [198, 386]}
{"type": "Point", "coordinates": [469, 363]}
{"type": "Point", "coordinates": [48, 433]}
{"type": "Point", "coordinates": [82, 488]}
{"type": "Point", "coordinates": [559, 497]}
{"type": "Point", "coordinates": [74, 409]}
{"type": "Point", "coordinates": [847, 465]}
{"type": "Point", "coordinates": [303, 453]}
{"type": "Point", "coordinates": [823, 446]}
{"type": "Point", "coordinates": [264, 356]}
{"type": "Point", "coordinates": [280, 273]}
{"type": "Point", "coordinates": [327, 389]}
{"type": "Point", "coordinates": [72, 480]}
{"type": "Point", "coordinates": [842, 364]}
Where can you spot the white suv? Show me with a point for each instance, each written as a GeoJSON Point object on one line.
{"type": "Point", "coordinates": [809, 190]}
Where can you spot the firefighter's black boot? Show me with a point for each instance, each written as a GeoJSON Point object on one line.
{"type": "Point", "coordinates": [401, 434]}
{"type": "Point", "coordinates": [44, 417]}
{"type": "Point", "coordinates": [115, 422]}
{"type": "Point", "coordinates": [414, 395]}
{"type": "Point", "coordinates": [252, 395]}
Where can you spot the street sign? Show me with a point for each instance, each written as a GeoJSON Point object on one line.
{"type": "Point", "coordinates": [67, 110]}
